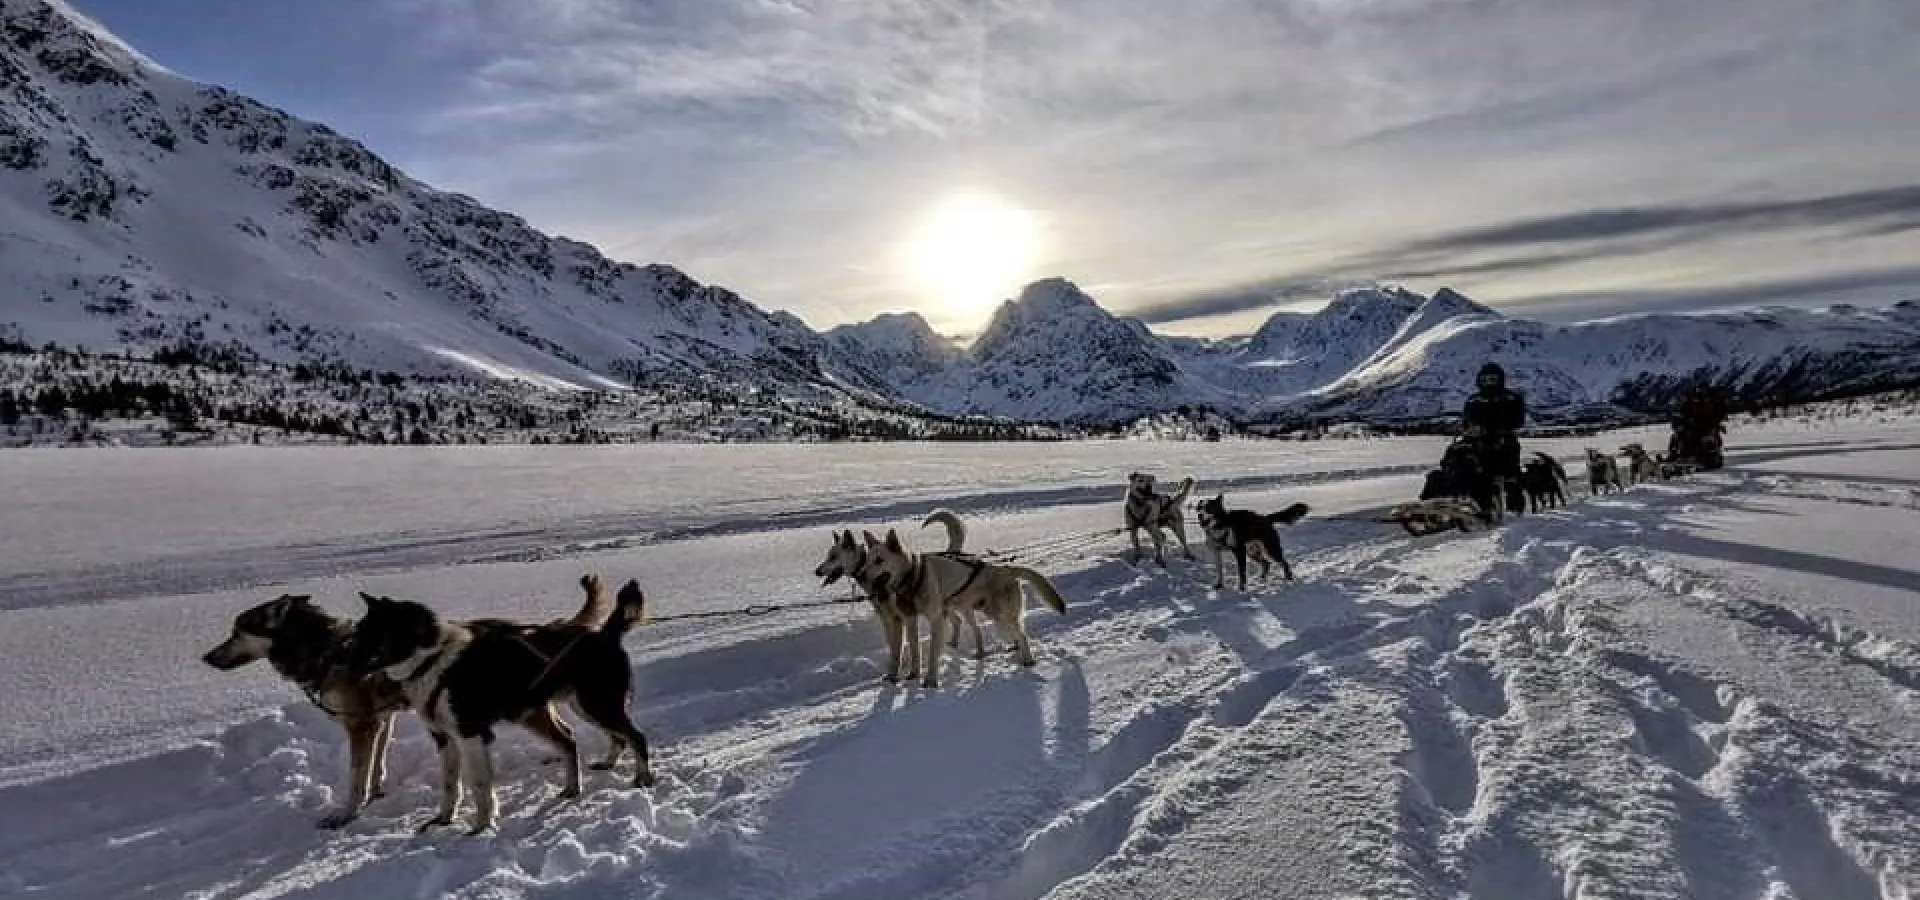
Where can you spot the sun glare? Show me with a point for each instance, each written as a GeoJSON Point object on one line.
{"type": "Point", "coordinates": [970, 252]}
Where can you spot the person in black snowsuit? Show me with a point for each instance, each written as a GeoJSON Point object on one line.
{"type": "Point", "coordinates": [1492, 420]}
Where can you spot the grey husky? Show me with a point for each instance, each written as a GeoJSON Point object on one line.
{"type": "Point", "coordinates": [899, 618]}
{"type": "Point", "coordinates": [936, 584]}
{"type": "Point", "coordinates": [1148, 509]}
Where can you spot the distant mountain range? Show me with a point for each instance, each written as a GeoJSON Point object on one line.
{"type": "Point", "coordinates": [141, 209]}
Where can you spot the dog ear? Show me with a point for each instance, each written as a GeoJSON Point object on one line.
{"type": "Point", "coordinates": [846, 538]}
{"type": "Point", "coordinates": [871, 540]}
{"type": "Point", "coordinates": [893, 540]}
{"type": "Point", "coordinates": [370, 600]}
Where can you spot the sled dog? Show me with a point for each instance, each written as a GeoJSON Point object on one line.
{"type": "Point", "coordinates": [1145, 508]}
{"type": "Point", "coordinates": [1670, 468]}
{"type": "Point", "coordinates": [1544, 480]}
{"type": "Point", "coordinates": [937, 584]}
{"type": "Point", "coordinates": [899, 619]}
{"type": "Point", "coordinates": [1240, 531]}
{"type": "Point", "coordinates": [308, 647]}
{"type": "Point", "coordinates": [1640, 466]}
{"type": "Point", "coordinates": [1435, 515]}
{"type": "Point", "coordinates": [1603, 472]}
{"type": "Point", "coordinates": [466, 678]}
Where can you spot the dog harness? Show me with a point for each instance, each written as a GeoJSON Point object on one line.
{"type": "Point", "coordinates": [919, 574]}
{"type": "Point", "coordinates": [1168, 515]}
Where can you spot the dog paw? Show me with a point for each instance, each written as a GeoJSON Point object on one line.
{"type": "Point", "coordinates": [435, 822]}
{"type": "Point", "coordinates": [569, 792]}
{"type": "Point", "coordinates": [930, 683]}
{"type": "Point", "coordinates": [480, 829]}
{"type": "Point", "coordinates": [336, 820]}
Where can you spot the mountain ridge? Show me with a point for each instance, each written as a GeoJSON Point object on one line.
{"type": "Point", "coordinates": [144, 210]}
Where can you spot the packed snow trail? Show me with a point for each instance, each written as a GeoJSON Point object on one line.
{"type": "Point", "coordinates": [1635, 697]}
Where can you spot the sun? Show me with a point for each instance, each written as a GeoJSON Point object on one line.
{"type": "Point", "coordinates": [970, 252]}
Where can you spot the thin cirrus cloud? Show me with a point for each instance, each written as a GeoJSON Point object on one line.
{"type": "Point", "coordinates": [1196, 161]}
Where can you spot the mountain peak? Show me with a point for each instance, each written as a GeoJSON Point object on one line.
{"type": "Point", "coordinates": [1455, 303]}
{"type": "Point", "coordinates": [1053, 294]}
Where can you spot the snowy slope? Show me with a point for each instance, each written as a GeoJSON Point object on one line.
{"type": "Point", "coordinates": [1701, 689]}
{"type": "Point", "coordinates": [141, 209]}
{"type": "Point", "coordinates": [1756, 355]}
{"type": "Point", "coordinates": [138, 208]}
{"type": "Point", "coordinates": [1380, 353]}
{"type": "Point", "coordinates": [1051, 353]}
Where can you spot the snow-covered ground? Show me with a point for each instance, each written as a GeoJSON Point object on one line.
{"type": "Point", "coordinates": [1699, 689]}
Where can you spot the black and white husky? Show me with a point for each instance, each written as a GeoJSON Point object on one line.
{"type": "Point", "coordinates": [1147, 509]}
{"type": "Point", "coordinates": [309, 648]}
{"type": "Point", "coordinates": [1240, 531]}
{"type": "Point", "coordinates": [465, 678]}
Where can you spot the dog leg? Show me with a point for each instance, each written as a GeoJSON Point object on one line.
{"type": "Point", "coordinates": [1133, 534]}
{"type": "Point", "coordinates": [450, 785]}
{"type": "Point", "coordinates": [1240, 563]}
{"type": "Point", "coordinates": [1022, 645]}
{"type": "Point", "coordinates": [936, 626]}
{"type": "Point", "coordinates": [979, 638]}
{"type": "Point", "coordinates": [1180, 531]}
{"type": "Point", "coordinates": [609, 712]}
{"type": "Point", "coordinates": [910, 630]}
{"type": "Point", "coordinates": [615, 749]}
{"type": "Point", "coordinates": [377, 783]}
{"type": "Point", "coordinates": [361, 735]}
{"type": "Point", "coordinates": [1280, 556]}
{"type": "Point", "coordinates": [1219, 569]}
{"type": "Point", "coordinates": [477, 757]}
{"type": "Point", "coordinates": [548, 727]}
{"type": "Point", "coordinates": [892, 627]}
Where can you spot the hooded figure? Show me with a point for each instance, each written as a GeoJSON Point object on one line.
{"type": "Point", "coordinates": [1493, 415]}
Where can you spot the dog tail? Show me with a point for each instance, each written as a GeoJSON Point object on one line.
{"type": "Point", "coordinates": [1290, 515]}
{"type": "Point", "coordinates": [630, 609]}
{"type": "Point", "coordinates": [598, 606]}
{"type": "Point", "coordinates": [956, 529]}
{"type": "Point", "coordinates": [1180, 496]}
{"type": "Point", "coordinates": [1040, 583]}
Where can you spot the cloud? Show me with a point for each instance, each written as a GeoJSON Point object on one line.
{"type": "Point", "coordinates": [1890, 207]}
{"type": "Point", "coordinates": [1267, 294]}
{"type": "Point", "coordinates": [782, 147]}
{"type": "Point", "coordinates": [1874, 288]}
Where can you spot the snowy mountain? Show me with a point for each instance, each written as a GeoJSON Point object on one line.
{"type": "Point", "coordinates": [1637, 362]}
{"type": "Point", "coordinates": [1387, 353]}
{"type": "Point", "coordinates": [892, 348]}
{"type": "Point", "coordinates": [141, 209]}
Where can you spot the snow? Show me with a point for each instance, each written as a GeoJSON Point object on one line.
{"type": "Point", "coordinates": [1706, 688]}
{"type": "Point", "coordinates": [142, 210]}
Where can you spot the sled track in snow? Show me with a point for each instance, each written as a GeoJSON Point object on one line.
{"type": "Point", "coordinates": [1503, 730]}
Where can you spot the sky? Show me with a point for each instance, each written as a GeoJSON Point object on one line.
{"type": "Point", "coordinates": [1196, 163]}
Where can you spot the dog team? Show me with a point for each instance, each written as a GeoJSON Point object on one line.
{"type": "Point", "coordinates": [1543, 485]}
{"type": "Point", "coordinates": [465, 678]}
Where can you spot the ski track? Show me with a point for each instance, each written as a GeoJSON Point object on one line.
{"type": "Point", "coordinates": [1490, 715]}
